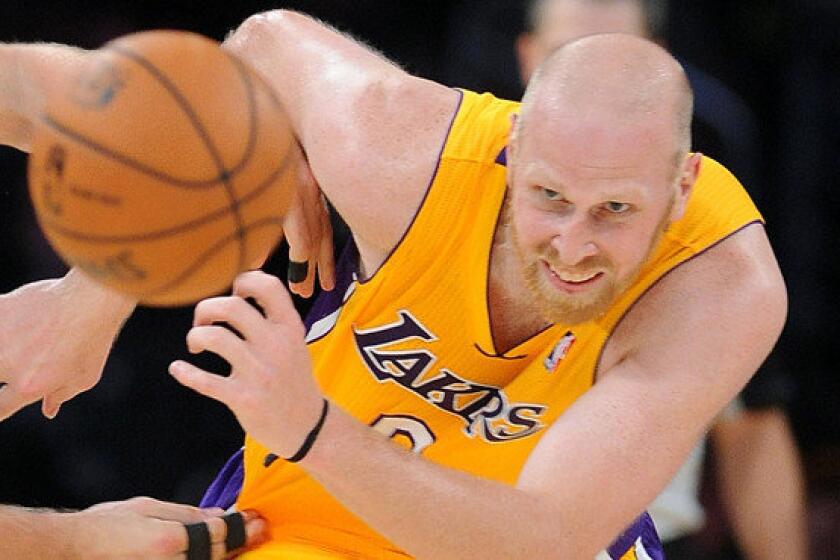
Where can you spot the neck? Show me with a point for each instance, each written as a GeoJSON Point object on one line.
{"type": "Point", "coordinates": [514, 316]}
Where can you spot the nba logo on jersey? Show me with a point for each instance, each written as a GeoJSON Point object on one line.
{"type": "Point", "coordinates": [559, 352]}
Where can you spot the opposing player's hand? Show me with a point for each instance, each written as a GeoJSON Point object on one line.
{"type": "Point", "coordinates": [54, 338]}
{"type": "Point", "coordinates": [150, 529]}
{"type": "Point", "coordinates": [270, 389]}
{"type": "Point", "coordinates": [308, 231]}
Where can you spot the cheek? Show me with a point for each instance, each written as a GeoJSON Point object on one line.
{"type": "Point", "coordinates": [627, 251]}
{"type": "Point", "coordinates": [532, 228]}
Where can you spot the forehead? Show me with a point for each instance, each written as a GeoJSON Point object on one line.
{"type": "Point", "coordinates": [575, 148]}
{"type": "Point", "coordinates": [566, 20]}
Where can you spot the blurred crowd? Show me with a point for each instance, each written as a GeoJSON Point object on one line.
{"type": "Point", "coordinates": [768, 107]}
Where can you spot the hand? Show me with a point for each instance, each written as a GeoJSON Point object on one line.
{"type": "Point", "coordinates": [308, 231]}
{"type": "Point", "coordinates": [55, 336]}
{"type": "Point", "coordinates": [270, 389]}
{"type": "Point", "coordinates": [148, 529]}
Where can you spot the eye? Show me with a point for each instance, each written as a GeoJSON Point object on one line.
{"type": "Point", "coordinates": [614, 207]}
{"type": "Point", "coordinates": [550, 194]}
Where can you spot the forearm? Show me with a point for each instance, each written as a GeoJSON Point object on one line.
{"type": "Point", "coordinates": [431, 511]}
{"type": "Point", "coordinates": [27, 72]}
{"type": "Point", "coordinates": [762, 485]}
{"type": "Point", "coordinates": [34, 534]}
{"type": "Point", "coordinates": [113, 307]}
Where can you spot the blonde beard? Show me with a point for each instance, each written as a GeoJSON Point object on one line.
{"type": "Point", "coordinates": [567, 309]}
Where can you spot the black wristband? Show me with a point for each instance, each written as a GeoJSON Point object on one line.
{"type": "Point", "coordinates": [312, 436]}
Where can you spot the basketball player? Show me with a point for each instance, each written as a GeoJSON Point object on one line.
{"type": "Point", "coordinates": [759, 476]}
{"type": "Point", "coordinates": [549, 351]}
{"type": "Point", "coordinates": [472, 322]}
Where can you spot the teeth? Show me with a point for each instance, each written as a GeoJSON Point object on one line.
{"type": "Point", "coordinates": [575, 278]}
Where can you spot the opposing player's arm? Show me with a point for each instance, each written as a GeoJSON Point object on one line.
{"type": "Point", "coordinates": [683, 352]}
{"type": "Point", "coordinates": [372, 133]}
{"type": "Point", "coordinates": [135, 528]}
{"type": "Point", "coordinates": [27, 73]}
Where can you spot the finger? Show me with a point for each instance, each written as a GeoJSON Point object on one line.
{"type": "Point", "coordinates": [306, 288]}
{"type": "Point", "coordinates": [256, 532]}
{"type": "Point", "coordinates": [306, 218]}
{"type": "Point", "coordinates": [326, 256]}
{"type": "Point", "coordinates": [310, 204]}
{"type": "Point", "coordinates": [52, 403]}
{"type": "Point", "coordinates": [231, 309]}
{"type": "Point", "coordinates": [298, 271]}
{"type": "Point", "coordinates": [242, 529]}
{"type": "Point", "coordinates": [299, 237]}
{"type": "Point", "coordinates": [220, 341]}
{"type": "Point", "coordinates": [315, 211]}
{"type": "Point", "coordinates": [234, 530]}
{"type": "Point", "coordinates": [200, 381]}
{"type": "Point", "coordinates": [269, 293]}
{"type": "Point", "coordinates": [168, 511]}
{"type": "Point", "coordinates": [199, 545]}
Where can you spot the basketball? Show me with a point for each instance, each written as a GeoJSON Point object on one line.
{"type": "Point", "coordinates": [164, 169]}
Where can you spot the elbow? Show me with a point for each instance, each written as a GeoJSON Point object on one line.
{"type": "Point", "coordinates": [774, 300]}
{"type": "Point", "coordinates": [262, 28]}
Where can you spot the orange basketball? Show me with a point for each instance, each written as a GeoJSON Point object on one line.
{"type": "Point", "coordinates": [165, 169]}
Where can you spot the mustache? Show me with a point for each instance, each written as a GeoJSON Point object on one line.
{"type": "Point", "coordinates": [596, 263]}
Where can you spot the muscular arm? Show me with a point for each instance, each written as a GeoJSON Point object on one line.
{"type": "Point", "coordinates": [372, 133]}
{"type": "Point", "coordinates": [32, 534]}
{"type": "Point", "coordinates": [761, 484]}
{"type": "Point", "coordinates": [27, 73]}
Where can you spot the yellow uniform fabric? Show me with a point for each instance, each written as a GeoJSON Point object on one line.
{"type": "Point", "coordinates": [411, 351]}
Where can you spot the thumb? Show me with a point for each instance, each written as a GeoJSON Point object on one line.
{"type": "Point", "coordinates": [52, 403]}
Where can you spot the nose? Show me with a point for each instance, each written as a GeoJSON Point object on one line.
{"type": "Point", "coordinates": [573, 242]}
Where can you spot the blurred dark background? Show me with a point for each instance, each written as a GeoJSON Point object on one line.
{"type": "Point", "coordinates": [138, 432]}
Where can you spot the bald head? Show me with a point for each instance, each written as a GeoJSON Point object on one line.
{"type": "Point", "coordinates": [619, 79]}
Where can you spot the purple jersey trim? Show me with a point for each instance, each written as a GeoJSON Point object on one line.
{"type": "Point", "coordinates": [224, 491]}
{"type": "Point", "coordinates": [327, 302]}
{"type": "Point", "coordinates": [657, 281]}
{"type": "Point", "coordinates": [501, 159]}
{"type": "Point", "coordinates": [642, 527]}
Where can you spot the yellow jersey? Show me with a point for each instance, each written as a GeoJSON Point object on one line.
{"type": "Point", "coordinates": [410, 351]}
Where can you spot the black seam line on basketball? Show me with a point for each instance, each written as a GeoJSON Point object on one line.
{"type": "Point", "coordinates": [56, 228]}
{"type": "Point", "coordinates": [202, 133]}
{"type": "Point", "coordinates": [128, 161]}
{"type": "Point", "coordinates": [201, 259]}
{"type": "Point", "coordinates": [248, 79]}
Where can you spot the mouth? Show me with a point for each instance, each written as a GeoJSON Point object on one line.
{"type": "Point", "coordinates": [570, 282]}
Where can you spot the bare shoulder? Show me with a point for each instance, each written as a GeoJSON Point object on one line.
{"type": "Point", "coordinates": [712, 319]}
{"type": "Point", "coordinates": [371, 131]}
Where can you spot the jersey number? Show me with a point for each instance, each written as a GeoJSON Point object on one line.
{"type": "Point", "coordinates": [413, 429]}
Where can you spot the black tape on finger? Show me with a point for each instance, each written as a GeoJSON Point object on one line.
{"type": "Point", "coordinates": [298, 271]}
{"type": "Point", "coordinates": [198, 541]}
{"type": "Point", "coordinates": [235, 536]}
